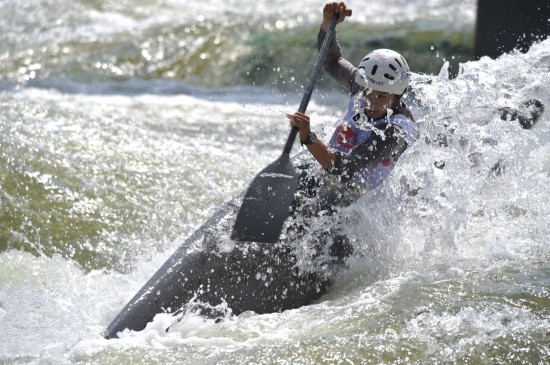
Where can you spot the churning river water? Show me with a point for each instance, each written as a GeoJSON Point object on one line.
{"type": "Point", "coordinates": [125, 124]}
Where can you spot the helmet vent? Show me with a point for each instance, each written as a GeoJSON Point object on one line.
{"type": "Point", "coordinates": [389, 77]}
{"type": "Point", "coordinates": [393, 67]}
{"type": "Point", "coordinates": [399, 63]}
{"type": "Point", "coordinates": [374, 68]}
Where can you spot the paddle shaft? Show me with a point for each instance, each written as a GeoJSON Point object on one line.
{"type": "Point", "coordinates": [312, 80]}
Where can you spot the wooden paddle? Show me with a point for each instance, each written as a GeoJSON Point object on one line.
{"type": "Point", "coordinates": [266, 205]}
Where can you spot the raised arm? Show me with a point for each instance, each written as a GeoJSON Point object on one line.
{"type": "Point", "coordinates": [340, 69]}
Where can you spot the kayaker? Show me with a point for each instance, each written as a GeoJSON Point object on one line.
{"type": "Point", "coordinates": [377, 127]}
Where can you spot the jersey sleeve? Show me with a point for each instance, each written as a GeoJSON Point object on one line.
{"type": "Point", "coordinates": [337, 66]}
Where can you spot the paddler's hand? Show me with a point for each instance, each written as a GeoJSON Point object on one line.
{"type": "Point", "coordinates": [300, 121]}
{"type": "Point", "coordinates": [334, 8]}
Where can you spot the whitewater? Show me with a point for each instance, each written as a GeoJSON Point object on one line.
{"type": "Point", "coordinates": [124, 125]}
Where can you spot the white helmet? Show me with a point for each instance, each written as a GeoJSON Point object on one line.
{"type": "Point", "coordinates": [384, 70]}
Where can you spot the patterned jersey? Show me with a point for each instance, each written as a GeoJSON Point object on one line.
{"type": "Point", "coordinates": [371, 147]}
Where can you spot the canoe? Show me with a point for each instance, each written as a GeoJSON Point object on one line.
{"type": "Point", "coordinates": [215, 276]}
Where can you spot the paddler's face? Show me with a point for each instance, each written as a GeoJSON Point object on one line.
{"type": "Point", "coordinates": [378, 103]}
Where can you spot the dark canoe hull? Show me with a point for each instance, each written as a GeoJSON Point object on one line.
{"type": "Point", "coordinates": [263, 278]}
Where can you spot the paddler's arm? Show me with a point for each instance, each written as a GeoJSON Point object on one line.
{"type": "Point", "coordinates": [340, 69]}
{"type": "Point", "coordinates": [319, 150]}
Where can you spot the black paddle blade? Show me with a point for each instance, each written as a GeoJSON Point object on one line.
{"type": "Point", "coordinates": [267, 202]}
